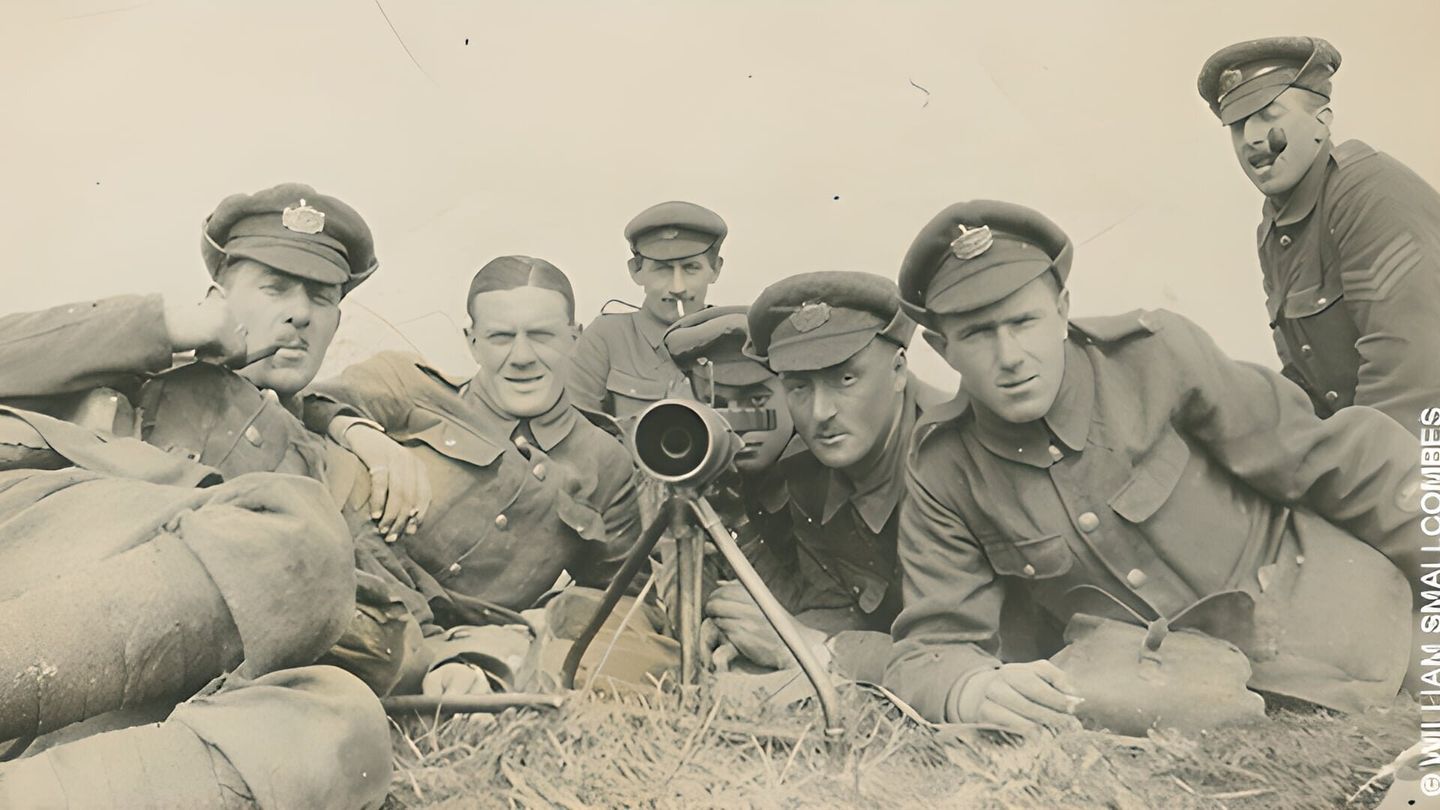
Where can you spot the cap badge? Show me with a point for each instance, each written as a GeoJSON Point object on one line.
{"type": "Point", "coordinates": [810, 316]}
{"type": "Point", "coordinates": [669, 233]}
{"type": "Point", "coordinates": [972, 242]}
{"type": "Point", "coordinates": [303, 218]}
{"type": "Point", "coordinates": [1229, 80]}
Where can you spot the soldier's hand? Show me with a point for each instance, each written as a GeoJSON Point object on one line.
{"type": "Point", "coordinates": [399, 485]}
{"type": "Point", "coordinates": [739, 618]}
{"type": "Point", "coordinates": [456, 678]}
{"type": "Point", "coordinates": [1022, 696]}
{"type": "Point", "coordinates": [210, 329]}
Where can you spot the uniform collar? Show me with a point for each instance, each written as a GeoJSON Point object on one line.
{"type": "Point", "coordinates": [767, 491]}
{"type": "Point", "coordinates": [878, 494]}
{"type": "Point", "coordinates": [294, 404]}
{"type": "Point", "coordinates": [1303, 198]}
{"type": "Point", "coordinates": [1068, 419]}
{"type": "Point", "coordinates": [548, 429]}
{"type": "Point", "coordinates": [650, 327]}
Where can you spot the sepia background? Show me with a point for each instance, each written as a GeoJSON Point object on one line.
{"type": "Point", "coordinates": [464, 130]}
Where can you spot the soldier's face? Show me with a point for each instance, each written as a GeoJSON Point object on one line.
{"type": "Point", "coordinates": [276, 309]}
{"type": "Point", "coordinates": [519, 338]}
{"type": "Point", "coordinates": [762, 447]}
{"type": "Point", "coordinates": [844, 413]}
{"type": "Point", "coordinates": [1276, 164]}
{"type": "Point", "coordinates": [673, 288]}
{"type": "Point", "coordinates": [1011, 354]}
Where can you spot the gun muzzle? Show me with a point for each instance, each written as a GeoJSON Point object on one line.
{"type": "Point", "coordinates": [687, 443]}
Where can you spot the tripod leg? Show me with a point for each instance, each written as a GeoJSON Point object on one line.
{"type": "Point", "coordinates": [639, 556]}
{"type": "Point", "coordinates": [774, 613]}
{"type": "Point", "coordinates": [689, 561]}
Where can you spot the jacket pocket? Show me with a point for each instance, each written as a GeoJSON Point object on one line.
{"type": "Point", "coordinates": [1154, 479]}
{"type": "Point", "coordinates": [629, 386]}
{"type": "Point", "coordinates": [585, 521]}
{"type": "Point", "coordinates": [1035, 558]}
{"type": "Point", "coordinates": [1310, 301]}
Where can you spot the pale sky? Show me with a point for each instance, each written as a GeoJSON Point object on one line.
{"type": "Point", "coordinates": [542, 127]}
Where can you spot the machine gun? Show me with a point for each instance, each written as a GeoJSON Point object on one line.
{"type": "Point", "coordinates": [686, 445]}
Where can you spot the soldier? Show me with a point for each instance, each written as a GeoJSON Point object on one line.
{"type": "Point", "coordinates": [752, 501]}
{"type": "Point", "coordinates": [1124, 468]}
{"type": "Point", "coordinates": [1349, 238]}
{"type": "Point", "coordinates": [619, 365]}
{"type": "Point", "coordinates": [524, 486]}
{"type": "Point", "coordinates": [837, 341]}
{"type": "Point", "coordinates": [707, 348]}
{"type": "Point", "coordinates": [176, 565]}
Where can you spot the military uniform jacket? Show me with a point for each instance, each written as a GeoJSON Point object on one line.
{"type": "Point", "coordinates": [1352, 282]}
{"type": "Point", "coordinates": [1167, 481]}
{"type": "Point", "coordinates": [503, 523]}
{"type": "Point", "coordinates": [620, 366]}
{"type": "Point", "coordinates": [833, 564]}
{"type": "Point", "coordinates": [70, 371]}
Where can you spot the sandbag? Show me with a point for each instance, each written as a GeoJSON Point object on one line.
{"type": "Point", "coordinates": [639, 652]}
{"type": "Point", "coordinates": [1136, 678]}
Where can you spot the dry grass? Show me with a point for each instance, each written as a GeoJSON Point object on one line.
{"type": "Point", "coordinates": [636, 749]}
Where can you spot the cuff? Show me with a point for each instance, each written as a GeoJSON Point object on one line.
{"type": "Point", "coordinates": [340, 424]}
{"type": "Point", "coordinates": [962, 703]}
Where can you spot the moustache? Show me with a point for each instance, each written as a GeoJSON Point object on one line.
{"type": "Point", "coordinates": [1275, 143]}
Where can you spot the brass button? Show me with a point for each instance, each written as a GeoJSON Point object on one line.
{"type": "Point", "coordinates": [1299, 559]}
{"type": "Point", "coordinates": [539, 472]}
{"type": "Point", "coordinates": [252, 435]}
{"type": "Point", "coordinates": [449, 442]}
{"type": "Point", "coordinates": [1305, 348]}
{"type": "Point", "coordinates": [454, 568]}
{"type": "Point", "coordinates": [1321, 301]}
{"type": "Point", "coordinates": [1285, 240]}
{"type": "Point", "coordinates": [1136, 577]}
{"type": "Point", "coordinates": [1029, 570]}
{"type": "Point", "coordinates": [1055, 453]}
{"type": "Point", "coordinates": [501, 522]}
{"type": "Point", "coordinates": [1331, 396]}
{"type": "Point", "coordinates": [1089, 522]}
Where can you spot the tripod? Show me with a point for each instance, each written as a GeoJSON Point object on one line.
{"type": "Point", "coordinates": [690, 518]}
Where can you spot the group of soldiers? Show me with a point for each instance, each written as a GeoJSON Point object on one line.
{"type": "Point", "coordinates": [212, 566]}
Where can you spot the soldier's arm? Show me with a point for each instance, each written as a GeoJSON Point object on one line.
{"type": "Point", "coordinates": [948, 630]}
{"type": "Point", "coordinates": [348, 408]}
{"type": "Point", "coordinates": [83, 345]}
{"type": "Point", "coordinates": [587, 370]}
{"type": "Point", "coordinates": [1354, 468]}
{"type": "Point", "coordinates": [619, 519]}
{"type": "Point", "coordinates": [1387, 227]}
{"type": "Point", "coordinates": [773, 555]}
{"type": "Point", "coordinates": [373, 389]}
